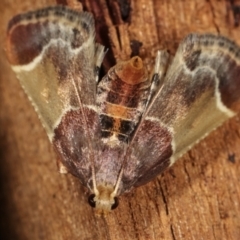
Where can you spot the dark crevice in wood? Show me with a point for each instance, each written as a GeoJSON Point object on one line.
{"type": "Point", "coordinates": [172, 232]}
{"type": "Point", "coordinates": [213, 14]}
{"type": "Point", "coordinates": [125, 9]}
{"type": "Point", "coordinates": [164, 198]}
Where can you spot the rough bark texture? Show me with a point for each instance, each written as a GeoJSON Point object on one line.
{"type": "Point", "coordinates": [198, 198]}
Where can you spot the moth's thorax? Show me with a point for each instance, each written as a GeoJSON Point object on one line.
{"type": "Point", "coordinates": [121, 97]}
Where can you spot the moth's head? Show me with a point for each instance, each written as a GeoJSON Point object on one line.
{"type": "Point", "coordinates": [103, 200]}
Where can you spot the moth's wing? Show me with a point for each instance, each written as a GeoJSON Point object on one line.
{"type": "Point", "coordinates": [54, 55]}
{"type": "Point", "coordinates": [201, 90]}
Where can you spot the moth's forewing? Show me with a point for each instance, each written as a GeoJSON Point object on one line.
{"type": "Point", "coordinates": [54, 55]}
{"type": "Point", "coordinates": [201, 90]}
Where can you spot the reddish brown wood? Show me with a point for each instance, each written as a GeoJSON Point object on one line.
{"type": "Point", "coordinates": [198, 198]}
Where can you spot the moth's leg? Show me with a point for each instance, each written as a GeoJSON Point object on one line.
{"type": "Point", "coordinates": [98, 58]}
{"type": "Point", "coordinates": [61, 168]}
{"type": "Point", "coordinates": [158, 74]}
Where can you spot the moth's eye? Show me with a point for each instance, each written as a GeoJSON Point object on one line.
{"type": "Point", "coordinates": [115, 204]}
{"type": "Point", "coordinates": [91, 200]}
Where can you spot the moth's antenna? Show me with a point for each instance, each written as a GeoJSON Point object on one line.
{"type": "Point", "coordinates": [99, 55]}
{"type": "Point", "coordinates": [158, 76]}
{"type": "Point", "coordinates": [118, 180]}
{"type": "Point", "coordinates": [91, 157]}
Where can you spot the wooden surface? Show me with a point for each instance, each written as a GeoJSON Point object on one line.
{"type": "Point", "coordinates": [198, 198]}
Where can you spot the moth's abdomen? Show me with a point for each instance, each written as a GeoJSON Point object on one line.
{"type": "Point", "coordinates": [121, 98]}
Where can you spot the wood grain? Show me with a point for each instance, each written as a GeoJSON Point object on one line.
{"type": "Point", "coordinates": [198, 198]}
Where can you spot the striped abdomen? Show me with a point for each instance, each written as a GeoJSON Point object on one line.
{"type": "Point", "coordinates": [121, 97]}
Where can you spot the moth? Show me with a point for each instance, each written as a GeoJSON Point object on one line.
{"type": "Point", "coordinates": [119, 132]}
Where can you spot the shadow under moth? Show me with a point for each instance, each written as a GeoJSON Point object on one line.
{"type": "Point", "coordinates": [119, 132]}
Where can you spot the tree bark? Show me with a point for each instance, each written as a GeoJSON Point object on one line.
{"type": "Point", "coordinates": [197, 198]}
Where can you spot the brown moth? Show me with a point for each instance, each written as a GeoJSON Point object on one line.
{"type": "Point", "coordinates": [120, 132]}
